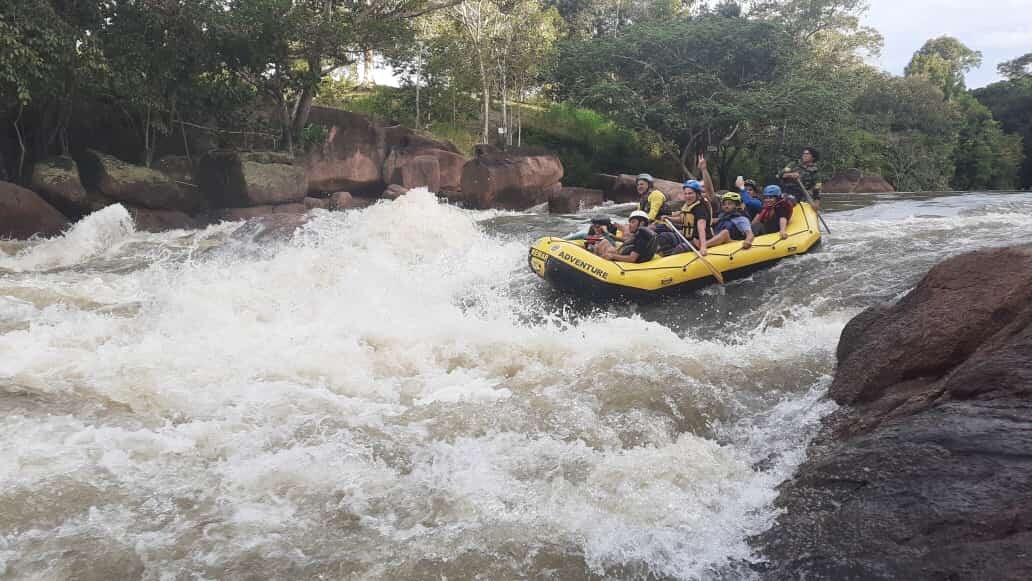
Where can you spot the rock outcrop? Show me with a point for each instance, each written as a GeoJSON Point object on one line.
{"type": "Point", "coordinates": [231, 214]}
{"type": "Point", "coordinates": [24, 214]}
{"type": "Point", "coordinates": [572, 200]}
{"type": "Point", "coordinates": [231, 179]}
{"type": "Point", "coordinates": [511, 180]}
{"type": "Point", "coordinates": [623, 188]}
{"type": "Point", "coordinates": [350, 158]}
{"type": "Point", "coordinates": [926, 470]}
{"type": "Point", "coordinates": [438, 170]}
{"type": "Point", "coordinates": [855, 181]}
{"type": "Point", "coordinates": [56, 180]}
{"type": "Point", "coordinates": [133, 184]}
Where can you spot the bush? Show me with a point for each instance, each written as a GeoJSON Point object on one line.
{"type": "Point", "coordinates": [588, 144]}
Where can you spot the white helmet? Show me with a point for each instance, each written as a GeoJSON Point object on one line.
{"type": "Point", "coordinates": [639, 214]}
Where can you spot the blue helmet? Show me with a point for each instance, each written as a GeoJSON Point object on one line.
{"type": "Point", "coordinates": [694, 185]}
{"type": "Point", "coordinates": [772, 192]}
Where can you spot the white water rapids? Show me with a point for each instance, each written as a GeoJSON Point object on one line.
{"type": "Point", "coordinates": [389, 393]}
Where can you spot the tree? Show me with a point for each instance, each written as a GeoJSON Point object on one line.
{"type": "Point", "coordinates": [1010, 103]}
{"type": "Point", "coordinates": [1019, 68]}
{"type": "Point", "coordinates": [943, 61]}
{"type": "Point", "coordinates": [729, 83]}
{"type": "Point", "coordinates": [47, 59]}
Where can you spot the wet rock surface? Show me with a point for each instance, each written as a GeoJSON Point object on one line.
{"type": "Point", "coordinates": [926, 470]}
{"type": "Point", "coordinates": [24, 214]}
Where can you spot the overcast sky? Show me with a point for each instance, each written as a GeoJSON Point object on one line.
{"type": "Point", "coordinates": [1001, 29]}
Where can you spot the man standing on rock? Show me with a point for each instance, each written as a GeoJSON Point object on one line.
{"type": "Point", "coordinates": [650, 200]}
{"type": "Point", "coordinates": [805, 172]}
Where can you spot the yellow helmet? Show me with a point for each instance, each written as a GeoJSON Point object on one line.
{"type": "Point", "coordinates": [731, 197]}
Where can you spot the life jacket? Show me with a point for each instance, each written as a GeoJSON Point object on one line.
{"type": "Point", "coordinates": [727, 221]}
{"type": "Point", "coordinates": [690, 220]}
{"type": "Point", "coordinates": [643, 202]}
{"type": "Point", "coordinates": [767, 213]}
{"type": "Point", "coordinates": [651, 244]}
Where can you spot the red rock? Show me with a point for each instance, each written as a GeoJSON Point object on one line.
{"type": "Point", "coordinates": [341, 201]}
{"type": "Point", "coordinates": [854, 180]}
{"type": "Point", "coordinates": [510, 180]}
{"type": "Point", "coordinates": [623, 188]}
{"type": "Point", "coordinates": [449, 168]}
{"type": "Point", "coordinates": [925, 472]}
{"type": "Point", "coordinates": [394, 191]}
{"type": "Point", "coordinates": [573, 200]}
{"type": "Point", "coordinates": [401, 137]}
{"type": "Point", "coordinates": [351, 158]}
{"type": "Point", "coordinates": [24, 214]}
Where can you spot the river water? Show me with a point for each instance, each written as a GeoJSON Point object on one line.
{"type": "Point", "coordinates": [390, 393]}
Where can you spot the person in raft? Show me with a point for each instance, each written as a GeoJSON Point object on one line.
{"type": "Point", "coordinates": [731, 224]}
{"type": "Point", "coordinates": [750, 196]}
{"type": "Point", "coordinates": [639, 247]}
{"type": "Point", "coordinates": [695, 219]}
{"type": "Point", "coordinates": [805, 172]}
{"type": "Point", "coordinates": [776, 212]}
{"type": "Point", "coordinates": [650, 200]}
{"type": "Point", "coordinates": [601, 228]}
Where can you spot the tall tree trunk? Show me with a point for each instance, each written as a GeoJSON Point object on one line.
{"type": "Point", "coordinates": [367, 68]}
{"type": "Point", "coordinates": [288, 133]}
{"type": "Point", "coordinates": [486, 89]}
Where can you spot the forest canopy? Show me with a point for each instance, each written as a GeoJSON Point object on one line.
{"type": "Point", "coordinates": [611, 85]}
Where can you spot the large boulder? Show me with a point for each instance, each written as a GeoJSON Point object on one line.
{"type": "Point", "coordinates": [401, 137]}
{"type": "Point", "coordinates": [573, 200]}
{"type": "Point", "coordinates": [510, 180]}
{"type": "Point", "coordinates": [853, 180]}
{"type": "Point", "coordinates": [926, 470]}
{"type": "Point", "coordinates": [623, 188]}
{"type": "Point", "coordinates": [351, 157]}
{"type": "Point", "coordinates": [56, 180]}
{"type": "Point", "coordinates": [230, 179]}
{"type": "Point", "coordinates": [397, 170]}
{"type": "Point", "coordinates": [133, 184]}
{"type": "Point", "coordinates": [24, 214]}
{"type": "Point", "coordinates": [149, 220]}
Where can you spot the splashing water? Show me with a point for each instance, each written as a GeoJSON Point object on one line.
{"type": "Point", "coordinates": [389, 393]}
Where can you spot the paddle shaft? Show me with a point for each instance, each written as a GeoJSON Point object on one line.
{"type": "Point", "coordinates": [713, 269]}
{"type": "Point", "coordinates": [809, 198]}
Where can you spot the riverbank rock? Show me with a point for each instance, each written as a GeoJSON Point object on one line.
{"type": "Point", "coordinates": [24, 214]}
{"type": "Point", "coordinates": [623, 188]}
{"type": "Point", "coordinates": [350, 158]}
{"type": "Point", "coordinates": [510, 180]}
{"type": "Point", "coordinates": [231, 179]}
{"type": "Point", "coordinates": [56, 180]}
{"type": "Point", "coordinates": [926, 470]}
{"type": "Point", "coordinates": [233, 214]}
{"type": "Point", "coordinates": [133, 184]}
{"type": "Point", "coordinates": [853, 181]}
{"type": "Point", "coordinates": [414, 167]}
{"type": "Point", "coordinates": [401, 137]}
{"type": "Point", "coordinates": [149, 220]}
{"type": "Point", "coordinates": [573, 200]}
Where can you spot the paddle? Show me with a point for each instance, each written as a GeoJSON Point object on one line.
{"type": "Point", "coordinates": [809, 198]}
{"type": "Point", "coordinates": [713, 269]}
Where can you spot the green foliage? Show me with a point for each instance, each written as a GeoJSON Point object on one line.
{"type": "Point", "coordinates": [311, 136]}
{"type": "Point", "coordinates": [943, 61]}
{"type": "Point", "coordinates": [588, 144]}
{"type": "Point", "coordinates": [1019, 68]}
{"type": "Point", "coordinates": [1011, 103]}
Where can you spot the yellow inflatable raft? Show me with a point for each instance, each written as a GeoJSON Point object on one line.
{"type": "Point", "coordinates": [569, 267]}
